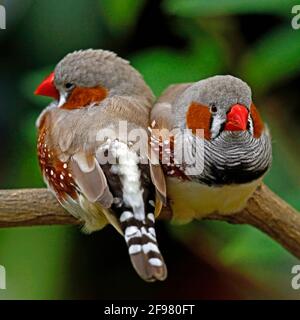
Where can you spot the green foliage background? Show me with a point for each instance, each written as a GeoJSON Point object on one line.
{"type": "Point", "coordinates": [168, 41]}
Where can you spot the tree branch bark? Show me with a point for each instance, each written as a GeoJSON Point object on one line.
{"type": "Point", "coordinates": [31, 207]}
{"type": "Point", "coordinates": [265, 211]}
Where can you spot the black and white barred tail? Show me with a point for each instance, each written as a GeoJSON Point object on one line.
{"type": "Point", "coordinates": [142, 246]}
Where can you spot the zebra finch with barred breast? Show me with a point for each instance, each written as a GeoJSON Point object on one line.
{"type": "Point", "coordinates": [223, 131]}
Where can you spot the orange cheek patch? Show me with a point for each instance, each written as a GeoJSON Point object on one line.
{"type": "Point", "coordinates": [82, 97]}
{"type": "Point", "coordinates": [258, 125]}
{"type": "Point", "coordinates": [198, 117]}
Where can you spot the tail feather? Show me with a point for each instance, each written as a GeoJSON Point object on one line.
{"type": "Point", "coordinates": [142, 246]}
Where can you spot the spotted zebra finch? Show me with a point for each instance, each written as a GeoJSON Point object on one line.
{"type": "Point", "coordinates": [234, 146]}
{"type": "Point", "coordinates": [93, 91]}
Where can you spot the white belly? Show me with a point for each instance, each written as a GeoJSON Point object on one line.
{"type": "Point", "coordinates": [191, 200]}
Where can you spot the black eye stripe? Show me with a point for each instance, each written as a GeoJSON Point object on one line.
{"type": "Point", "coordinates": [250, 122]}
{"type": "Point", "coordinates": [210, 122]}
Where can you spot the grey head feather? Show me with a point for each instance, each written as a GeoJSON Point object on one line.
{"type": "Point", "coordinates": [229, 157]}
{"type": "Point", "coordinates": [91, 68]}
{"type": "Point", "coordinates": [223, 91]}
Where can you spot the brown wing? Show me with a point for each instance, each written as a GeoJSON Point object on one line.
{"type": "Point", "coordinates": [77, 181]}
{"type": "Point", "coordinates": [90, 178]}
{"type": "Point", "coordinates": [92, 183]}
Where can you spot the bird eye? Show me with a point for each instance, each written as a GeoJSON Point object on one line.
{"type": "Point", "coordinates": [69, 85]}
{"type": "Point", "coordinates": [213, 108]}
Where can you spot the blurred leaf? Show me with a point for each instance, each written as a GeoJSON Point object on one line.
{"type": "Point", "coordinates": [121, 15]}
{"type": "Point", "coordinates": [26, 162]}
{"type": "Point", "coordinates": [274, 58]}
{"type": "Point", "coordinates": [239, 247]}
{"type": "Point", "coordinates": [258, 255]}
{"type": "Point", "coordinates": [35, 261]}
{"type": "Point", "coordinates": [53, 28]}
{"type": "Point", "coordinates": [251, 247]}
{"type": "Point", "coordinates": [30, 82]}
{"type": "Point", "coordinates": [15, 10]}
{"type": "Point", "coordinates": [234, 244]}
{"type": "Point", "coordinates": [162, 67]}
{"type": "Point", "coordinates": [194, 8]}
{"type": "Point", "coordinates": [283, 179]}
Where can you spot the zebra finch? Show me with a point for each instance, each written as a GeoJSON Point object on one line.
{"type": "Point", "coordinates": [218, 122]}
{"type": "Point", "coordinates": [93, 91]}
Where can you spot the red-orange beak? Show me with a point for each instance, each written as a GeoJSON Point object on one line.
{"type": "Point", "coordinates": [237, 118]}
{"type": "Point", "coordinates": [47, 88]}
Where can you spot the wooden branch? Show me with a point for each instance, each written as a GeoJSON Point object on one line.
{"type": "Point", "coordinates": [265, 211]}
{"type": "Point", "coordinates": [31, 207]}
